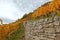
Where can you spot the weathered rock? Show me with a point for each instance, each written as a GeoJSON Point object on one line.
{"type": "Point", "coordinates": [43, 29]}
{"type": "Point", "coordinates": [57, 28]}
{"type": "Point", "coordinates": [56, 22]}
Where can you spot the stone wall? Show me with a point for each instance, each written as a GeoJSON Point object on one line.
{"type": "Point", "coordinates": [43, 29]}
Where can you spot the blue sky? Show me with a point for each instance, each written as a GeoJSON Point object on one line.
{"type": "Point", "coordinates": [11, 10]}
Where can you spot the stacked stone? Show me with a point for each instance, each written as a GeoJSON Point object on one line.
{"type": "Point", "coordinates": [43, 29]}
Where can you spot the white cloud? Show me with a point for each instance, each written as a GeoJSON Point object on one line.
{"type": "Point", "coordinates": [14, 9]}
{"type": "Point", "coordinates": [9, 11]}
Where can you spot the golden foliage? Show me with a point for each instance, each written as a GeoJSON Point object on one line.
{"type": "Point", "coordinates": [49, 7]}
{"type": "Point", "coordinates": [10, 28]}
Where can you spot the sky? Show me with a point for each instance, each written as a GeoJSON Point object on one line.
{"type": "Point", "coordinates": [11, 10]}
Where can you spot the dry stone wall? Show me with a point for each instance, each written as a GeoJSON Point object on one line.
{"type": "Point", "coordinates": [43, 29]}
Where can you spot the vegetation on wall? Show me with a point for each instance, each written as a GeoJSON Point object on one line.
{"type": "Point", "coordinates": [15, 30]}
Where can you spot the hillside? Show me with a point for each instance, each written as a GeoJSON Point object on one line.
{"type": "Point", "coordinates": [15, 30]}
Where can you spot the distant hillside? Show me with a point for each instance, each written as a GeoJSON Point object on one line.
{"type": "Point", "coordinates": [13, 30]}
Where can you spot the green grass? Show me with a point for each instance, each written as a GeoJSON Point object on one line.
{"type": "Point", "coordinates": [17, 35]}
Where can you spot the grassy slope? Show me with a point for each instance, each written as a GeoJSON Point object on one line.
{"type": "Point", "coordinates": [36, 14]}
{"type": "Point", "coordinates": [18, 34]}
